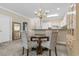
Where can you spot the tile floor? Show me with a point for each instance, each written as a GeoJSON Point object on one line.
{"type": "Point", "coordinates": [14, 48]}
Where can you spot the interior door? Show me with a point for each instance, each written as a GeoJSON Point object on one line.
{"type": "Point", "coordinates": [16, 31]}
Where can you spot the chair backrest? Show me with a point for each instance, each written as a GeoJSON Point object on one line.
{"type": "Point", "coordinates": [52, 39]}
{"type": "Point", "coordinates": [62, 36]}
{"type": "Point", "coordinates": [47, 33]}
{"type": "Point", "coordinates": [31, 43]}
{"type": "Point", "coordinates": [39, 32]}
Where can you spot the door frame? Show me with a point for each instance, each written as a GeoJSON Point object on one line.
{"type": "Point", "coordinates": [13, 29]}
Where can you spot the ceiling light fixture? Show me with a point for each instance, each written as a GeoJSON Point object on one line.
{"type": "Point", "coordinates": [41, 14]}
{"type": "Point", "coordinates": [53, 15]}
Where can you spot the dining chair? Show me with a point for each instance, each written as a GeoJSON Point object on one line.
{"type": "Point", "coordinates": [51, 44]}
{"type": "Point", "coordinates": [31, 44]}
{"type": "Point", "coordinates": [54, 41]}
{"type": "Point", "coordinates": [62, 38]}
{"type": "Point", "coordinates": [46, 44]}
{"type": "Point", "coordinates": [24, 42]}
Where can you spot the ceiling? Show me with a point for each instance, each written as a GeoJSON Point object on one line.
{"type": "Point", "coordinates": [28, 9]}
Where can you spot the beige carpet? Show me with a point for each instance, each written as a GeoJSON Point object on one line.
{"type": "Point", "coordinates": [14, 49]}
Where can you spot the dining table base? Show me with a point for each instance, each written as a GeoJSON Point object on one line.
{"type": "Point", "coordinates": [37, 49]}
{"type": "Point", "coordinates": [39, 41]}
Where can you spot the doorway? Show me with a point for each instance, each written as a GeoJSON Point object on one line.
{"type": "Point", "coordinates": [16, 30]}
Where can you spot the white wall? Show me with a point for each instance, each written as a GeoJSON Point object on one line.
{"type": "Point", "coordinates": [34, 23]}
{"type": "Point", "coordinates": [64, 21]}
{"type": "Point", "coordinates": [5, 28]}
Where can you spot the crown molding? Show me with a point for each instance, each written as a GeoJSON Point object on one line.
{"type": "Point", "coordinates": [9, 10]}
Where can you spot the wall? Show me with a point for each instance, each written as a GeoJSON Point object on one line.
{"type": "Point", "coordinates": [63, 22]}
{"type": "Point", "coordinates": [76, 42]}
{"type": "Point", "coordinates": [5, 28]}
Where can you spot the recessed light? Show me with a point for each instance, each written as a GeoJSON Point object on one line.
{"type": "Point", "coordinates": [58, 8]}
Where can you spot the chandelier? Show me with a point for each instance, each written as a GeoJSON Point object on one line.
{"type": "Point", "coordinates": [41, 14]}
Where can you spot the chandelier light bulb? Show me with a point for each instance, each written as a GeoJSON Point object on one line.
{"type": "Point", "coordinates": [40, 10]}
{"type": "Point", "coordinates": [35, 12]}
